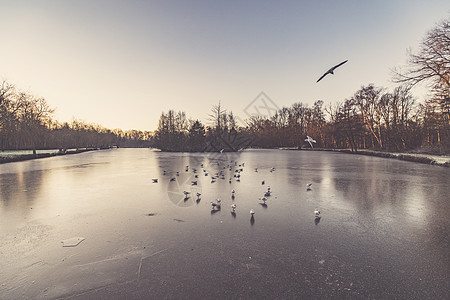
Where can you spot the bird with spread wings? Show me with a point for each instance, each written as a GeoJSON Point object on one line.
{"type": "Point", "coordinates": [310, 140]}
{"type": "Point", "coordinates": [331, 71]}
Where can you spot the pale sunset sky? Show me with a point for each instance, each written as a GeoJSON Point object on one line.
{"type": "Point", "coordinates": [121, 63]}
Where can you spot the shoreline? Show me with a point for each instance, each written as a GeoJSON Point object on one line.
{"type": "Point", "coordinates": [25, 157]}
{"type": "Point", "coordinates": [423, 158]}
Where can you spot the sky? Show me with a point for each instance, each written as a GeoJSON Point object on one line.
{"type": "Point", "coordinates": [120, 64]}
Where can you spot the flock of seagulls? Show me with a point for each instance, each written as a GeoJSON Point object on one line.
{"type": "Point", "coordinates": [237, 174]}
{"type": "Point", "coordinates": [235, 170]}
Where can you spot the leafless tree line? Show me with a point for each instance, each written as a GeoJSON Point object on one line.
{"type": "Point", "coordinates": [26, 122]}
{"type": "Point", "coordinates": [371, 119]}
{"type": "Point", "coordinates": [178, 133]}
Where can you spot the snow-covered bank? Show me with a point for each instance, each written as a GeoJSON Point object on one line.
{"type": "Point", "coordinates": [439, 160]}
{"type": "Point", "coordinates": [22, 155]}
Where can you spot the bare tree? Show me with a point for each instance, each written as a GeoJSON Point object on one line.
{"type": "Point", "coordinates": [218, 117]}
{"type": "Point", "coordinates": [367, 100]}
{"type": "Point", "coordinates": [34, 115]}
{"type": "Point", "coordinates": [431, 64]}
{"type": "Point", "coordinates": [9, 104]}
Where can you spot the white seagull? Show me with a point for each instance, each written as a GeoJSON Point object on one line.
{"type": "Point", "coordinates": [252, 212]}
{"type": "Point", "coordinates": [310, 140]}
{"type": "Point", "coordinates": [233, 207]}
{"type": "Point", "coordinates": [331, 71]}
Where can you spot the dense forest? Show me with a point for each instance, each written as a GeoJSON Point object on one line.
{"type": "Point", "coordinates": [373, 118]}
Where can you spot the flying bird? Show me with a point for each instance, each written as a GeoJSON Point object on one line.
{"type": "Point", "coordinates": [310, 140]}
{"type": "Point", "coordinates": [331, 71]}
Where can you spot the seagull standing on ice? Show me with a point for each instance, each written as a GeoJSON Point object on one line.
{"type": "Point", "coordinates": [331, 71]}
{"type": "Point", "coordinates": [233, 207]}
{"type": "Point", "coordinates": [310, 140]}
{"type": "Point", "coordinates": [317, 213]}
{"type": "Point", "coordinates": [252, 212]}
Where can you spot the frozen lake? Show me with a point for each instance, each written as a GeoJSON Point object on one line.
{"type": "Point", "coordinates": [384, 230]}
